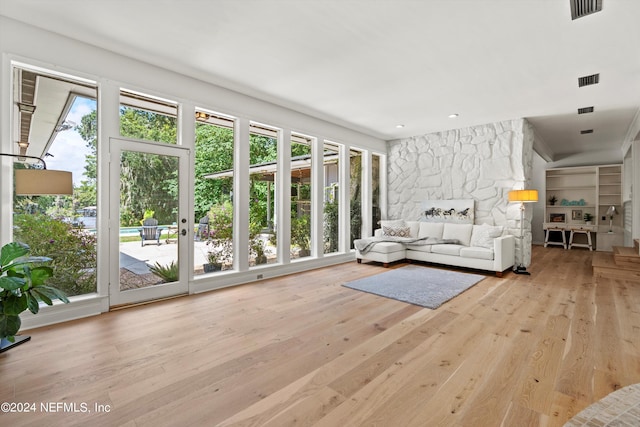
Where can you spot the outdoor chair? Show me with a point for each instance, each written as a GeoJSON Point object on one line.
{"type": "Point", "coordinates": [150, 232]}
{"type": "Point", "coordinates": [203, 228]}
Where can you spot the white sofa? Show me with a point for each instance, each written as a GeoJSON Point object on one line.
{"type": "Point", "coordinates": [482, 247]}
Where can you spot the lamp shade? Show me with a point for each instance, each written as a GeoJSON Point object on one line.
{"type": "Point", "coordinates": [612, 210]}
{"type": "Point", "coordinates": [523, 196]}
{"type": "Point", "coordinates": [38, 182]}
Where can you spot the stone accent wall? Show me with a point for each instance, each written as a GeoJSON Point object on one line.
{"type": "Point", "coordinates": [481, 162]}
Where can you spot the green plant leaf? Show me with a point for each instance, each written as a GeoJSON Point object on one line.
{"type": "Point", "coordinates": [9, 326]}
{"type": "Point", "coordinates": [53, 293]}
{"type": "Point", "coordinates": [40, 274]}
{"type": "Point", "coordinates": [14, 305]}
{"type": "Point", "coordinates": [11, 283]}
{"type": "Point", "coordinates": [42, 296]}
{"type": "Point", "coordinates": [32, 303]}
{"type": "Point", "coordinates": [11, 251]}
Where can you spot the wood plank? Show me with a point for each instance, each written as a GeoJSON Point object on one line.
{"type": "Point", "coordinates": [304, 350]}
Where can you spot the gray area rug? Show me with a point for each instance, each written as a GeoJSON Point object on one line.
{"type": "Point", "coordinates": [423, 286]}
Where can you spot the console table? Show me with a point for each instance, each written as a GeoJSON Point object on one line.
{"type": "Point", "coordinates": [573, 229]}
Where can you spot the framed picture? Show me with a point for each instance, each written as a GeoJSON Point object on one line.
{"type": "Point", "coordinates": [576, 215]}
{"type": "Point", "coordinates": [557, 217]}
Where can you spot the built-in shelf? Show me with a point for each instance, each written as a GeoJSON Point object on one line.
{"type": "Point", "coordinates": [598, 186]}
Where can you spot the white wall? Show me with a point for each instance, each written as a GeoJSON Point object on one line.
{"type": "Point", "coordinates": [482, 163]}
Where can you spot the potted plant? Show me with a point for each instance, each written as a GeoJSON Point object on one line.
{"type": "Point", "coordinates": [22, 287]}
{"type": "Point", "coordinates": [220, 252]}
{"type": "Point", "coordinates": [588, 218]}
{"type": "Point", "coordinates": [552, 200]}
{"type": "Point", "coordinates": [300, 235]}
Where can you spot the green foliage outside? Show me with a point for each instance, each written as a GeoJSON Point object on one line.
{"type": "Point", "coordinates": [168, 273]}
{"type": "Point", "coordinates": [355, 207]}
{"type": "Point", "coordinates": [214, 153]}
{"type": "Point", "coordinates": [220, 241]}
{"type": "Point", "coordinates": [331, 216]}
{"type": "Point", "coordinates": [72, 251]}
{"type": "Point", "coordinates": [23, 284]}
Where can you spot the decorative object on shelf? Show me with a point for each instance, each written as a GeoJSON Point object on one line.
{"type": "Point", "coordinates": [37, 182]}
{"type": "Point", "coordinates": [587, 218]}
{"type": "Point", "coordinates": [566, 202]}
{"type": "Point", "coordinates": [610, 213]}
{"type": "Point", "coordinates": [576, 215]}
{"type": "Point", "coordinates": [553, 200]}
{"type": "Point", "coordinates": [522, 197]}
{"type": "Point", "coordinates": [557, 217]}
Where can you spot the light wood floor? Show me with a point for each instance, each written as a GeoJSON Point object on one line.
{"type": "Point", "coordinates": [303, 350]}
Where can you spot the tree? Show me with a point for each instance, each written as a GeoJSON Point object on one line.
{"type": "Point", "coordinates": [214, 153]}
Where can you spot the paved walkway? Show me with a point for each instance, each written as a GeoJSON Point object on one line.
{"type": "Point", "coordinates": [136, 258]}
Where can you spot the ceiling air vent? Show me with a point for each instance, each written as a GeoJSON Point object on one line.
{"type": "Point", "coordinates": [585, 110]}
{"type": "Point", "coordinates": [580, 8]}
{"type": "Point", "coordinates": [593, 79]}
{"type": "Point", "coordinates": [586, 131]}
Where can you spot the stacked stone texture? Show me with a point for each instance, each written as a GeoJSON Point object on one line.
{"type": "Point", "coordinates": [482, 163]}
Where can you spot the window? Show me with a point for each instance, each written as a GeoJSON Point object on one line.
{"type": "Point", "coordinates": [263, 156]}
{"type": "Point", "coordinates": [148, 118]}
{"type": "Point", "coordinates": [355, 195]}
{"type": "Point", "coordinates": [331, 217]}
{"type": "Point", "coordinates": [56, 119]}
{"type": "Point", "coordinates": [213, 193]}
{"type": "Point", "coordinates": [301, 195]}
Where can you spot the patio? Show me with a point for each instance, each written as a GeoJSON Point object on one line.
{"type": "Point", "coordinates": [136, 259]}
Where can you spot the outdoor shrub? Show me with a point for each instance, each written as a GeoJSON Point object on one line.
{"type": "Point", "coordinates": [168, 273]}
{"type": "Point", "coordinates": [71, 249]}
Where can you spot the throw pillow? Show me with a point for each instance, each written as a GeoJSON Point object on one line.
{"type": "Point", "coordinates": [395, 223]}
{"type": "Point", "coordinates": [483, 235]}
{"type": "Point", "coordinates": [396, 231]}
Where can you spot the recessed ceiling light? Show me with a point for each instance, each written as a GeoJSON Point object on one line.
{"type": "Point", "coordinates": [399, 126]}
{"type": "Point", "coordinates": [453, 116]}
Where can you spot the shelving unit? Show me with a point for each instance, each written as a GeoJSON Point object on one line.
{"type": "Point", "coordinates": [586, 189]}
{"type": "Point", "coordinates": [610, 193]}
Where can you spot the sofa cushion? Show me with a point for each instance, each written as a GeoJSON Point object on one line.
{"type": "Point", "coordinates": [447, 249]}
{"type": "Point", "coordinates": [459, 232]}
{"type": "Point", "coordinates": [387, 247]}
{"type": "Point", "coordinates": [476, 252]}
{"type": "Point", "coordinates": [431, 229]}
{"type": "Point", "coordinates": [419, 248]}
{"type": "Point", "coordinates": [483, 235]}
{"type": "Point", "coordinates": [414, 227]}
{"type": "Point", "coordinates": [396, 231]}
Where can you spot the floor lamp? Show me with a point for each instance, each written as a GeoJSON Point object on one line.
{"type": "Point", "coordinates": [522, 197]}
{"type": "Point", "coordinates": [610, 212]}
{"type": "Point", "coordinates": [37, 182]}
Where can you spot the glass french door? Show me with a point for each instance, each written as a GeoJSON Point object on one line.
{"type": "Point", "coordinates": [149, 229]}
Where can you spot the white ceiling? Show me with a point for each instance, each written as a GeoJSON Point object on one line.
{"type": "Point", "coordinates": [373, 64]}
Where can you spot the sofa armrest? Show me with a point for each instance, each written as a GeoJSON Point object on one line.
{"type": "Point", "coordinates": [504, 252]}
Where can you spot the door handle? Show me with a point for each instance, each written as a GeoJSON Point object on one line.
{"type": "Point", "coordinates": [183, 232]}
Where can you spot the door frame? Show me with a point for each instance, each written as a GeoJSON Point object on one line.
{"type": "Point", "coordinates": [133, 296]}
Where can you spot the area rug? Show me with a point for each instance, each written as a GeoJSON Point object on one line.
{"type": "Point", "coordinates": [423, 286]}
